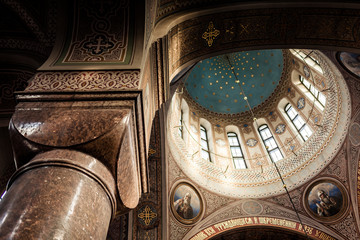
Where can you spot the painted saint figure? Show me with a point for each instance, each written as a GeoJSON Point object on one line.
{"type": "Point", "coordinates": [327, 206]}
{"type": "Point", "coordinates": [183, 207]}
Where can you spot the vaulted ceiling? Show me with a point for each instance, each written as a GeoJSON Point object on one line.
{"type": "Point", "coordinates": [225, 83]}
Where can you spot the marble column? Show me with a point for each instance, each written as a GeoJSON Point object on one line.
{"type": "Point", "coordinates": [60, 194]}
{"type": "Point", "coordinates": [81, 161]}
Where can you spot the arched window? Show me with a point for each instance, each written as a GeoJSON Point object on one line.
{"type": "Point", "coordinates": [237, 155]}
{"type": "Point", "coordinates": [270, 143]}
{"type": "Point", "coordinates": [205, 154]}
{"type": "Point", "coordinates": [181, 125]}
{"type": "Point", "coordinates": [298, 121]}
{"type": "Point", "coordinates": [308, 58]}
{"type": "Point", "coordinates": [320, 97]}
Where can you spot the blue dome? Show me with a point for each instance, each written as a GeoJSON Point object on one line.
{"type": "Point", "coordinates": [220, 83]}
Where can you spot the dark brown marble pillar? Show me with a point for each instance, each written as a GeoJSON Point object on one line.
{"type": "Point", "coordinates": [60, 194]}
{"type": "Point", "coordinates": [81, 159]}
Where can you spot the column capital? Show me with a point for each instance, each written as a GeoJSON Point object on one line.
{"type": "Point", "coordinates": [106, 126]}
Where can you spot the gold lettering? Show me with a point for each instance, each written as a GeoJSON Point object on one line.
{"type": "Point", "coordinates": [262, 220]}
{"type": "Point", "coordinates": [218, 226]}
{"type": "Point", "coordinates": [199, 236]}
{"type": "Point", "coordinates": [249, 221]}
{"type": "Point", "coordinates": [209, 231]}
{"type": "Point", "coordinates": [308, 229]}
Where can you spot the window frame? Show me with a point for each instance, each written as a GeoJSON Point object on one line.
{"type": "Point", "coordinates": [310, 87]}
{"type": "Point", "coordinates": [181, 129]}
{"type": "Point", "coordinates": [263, 128]}
{"type": "Point", "coordinates": [311, 61]}
{"type": "Point", "coordinates": [287, 109]}
{"type": "Point", "coordinates": [240, 159]}
{"type": "Point", "coordinates": [206, 139]}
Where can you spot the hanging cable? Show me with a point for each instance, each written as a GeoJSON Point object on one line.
{"type": "Point", "coordinates": [277, 169]}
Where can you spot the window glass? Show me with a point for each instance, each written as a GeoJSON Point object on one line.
{"type": "Point", "coordinates": [205, 154]}
{"type": "Point", "coordinates": [181, 125]}
{"type": "Point", "coordinates": [309, 58]}
{"type": "Point", "coordinates": [298, 122]}
{"type": "Point", "coordinates": [270, 143]}
{"type": "Point", "coordinates": [320, 97]}
{"type": "Point", "coordinates": [235, 149]}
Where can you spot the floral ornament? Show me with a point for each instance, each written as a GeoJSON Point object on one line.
{"type": "Point", "coordinates": [258, 161]}
{"type": "Point", "coordinates": [147, 215]}
{"type": "Point", "coordinates": [306, 72]}
{"type": "Point", "coordinates": [301, 103]}
{"type": "Point", "coordinates": [251, 142]}
{"type": "Point", "coordinates": [291, 145]}
{"type": "Point", "coordinates": [210, 34]}
{"type": "Point", "coordinates": [280, 128]}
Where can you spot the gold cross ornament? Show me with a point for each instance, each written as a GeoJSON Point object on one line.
{"type": "Point", "coordinates": [210, 34]}
{"type": "Point", "coordinates": [147, 215]}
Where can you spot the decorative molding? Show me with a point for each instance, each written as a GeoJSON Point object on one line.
{"type": "Point", "coordinates": [102, 34]}
{"type": "Point", "coordinates": [347, 227]}
{"type": "Point", "coordinates": [154, 197]}
{"type": "Point", "coordinates": [84, 81]}
{"type": "Point", "coordinates": [267, 213]}
{"type": "Point", "coordinates": [254, 28]}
